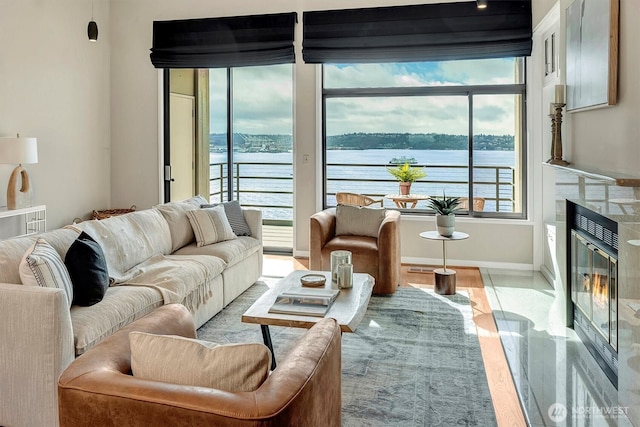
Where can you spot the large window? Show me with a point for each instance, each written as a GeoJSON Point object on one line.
{"type": "Point", "coordinates": [251, 126]}
{"type": "Point", "coordinates": [463, 121]}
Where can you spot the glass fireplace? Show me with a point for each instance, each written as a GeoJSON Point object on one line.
{"type": "Point", "coordinates": [594, 286]}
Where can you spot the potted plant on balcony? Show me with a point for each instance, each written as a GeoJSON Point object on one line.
{"type": "Point", "coordinates": [445, 208]}
{"type": "Point", "coordinates": [407, 174]}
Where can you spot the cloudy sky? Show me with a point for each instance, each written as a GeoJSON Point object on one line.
{"type": "Point", "coordinates": [263, 99]}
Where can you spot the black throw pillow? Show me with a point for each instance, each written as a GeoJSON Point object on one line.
{"type": "Point", "coordinates": [88, 270]}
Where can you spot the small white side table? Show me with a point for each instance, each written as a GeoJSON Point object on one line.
{"type": "Point", "coordinates": [34, 219]}
{"type": "Point", "coordinates": [445, 279]}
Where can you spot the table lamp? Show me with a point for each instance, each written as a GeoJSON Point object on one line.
{"type": "Point", "coordinates": [19, 150]}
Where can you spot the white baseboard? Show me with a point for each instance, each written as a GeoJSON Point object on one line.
{"type": "Point", "coordinates": [548, 275]}
{"type": "Point", "coordinates": [301, 254]}
{"type": "Point", "coordinates": [438, 262]}
{"type": "Point", "coordinates": [466, 263]}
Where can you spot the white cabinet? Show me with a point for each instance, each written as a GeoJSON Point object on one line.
{"type": "Point", "coordinates": [33, 221]}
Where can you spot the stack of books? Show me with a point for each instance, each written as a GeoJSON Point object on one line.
{"type": "Point", "coordinates": [304, 301]}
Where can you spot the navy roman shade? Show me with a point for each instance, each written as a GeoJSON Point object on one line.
{"type": "Point", "coordinates": [224, 42]}
{"type": "Point", "coordinates": [430, 32]}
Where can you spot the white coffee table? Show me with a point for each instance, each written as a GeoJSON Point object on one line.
{"type": "Point", "coordinates": [348, 308]}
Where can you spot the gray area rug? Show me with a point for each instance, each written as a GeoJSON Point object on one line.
{"type": "Point", "coordinates": [414, 360]}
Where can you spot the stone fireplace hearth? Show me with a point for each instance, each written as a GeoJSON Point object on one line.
{"type": "Point", "coordinates": [616, 199]}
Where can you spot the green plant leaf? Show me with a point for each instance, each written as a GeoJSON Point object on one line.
{"type": "Point", "coordinates": [407, 173]}
{"type": "Point", "coordinates": [444, 205]}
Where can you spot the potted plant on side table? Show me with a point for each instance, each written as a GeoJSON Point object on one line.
{"type": "Point", "coordinates": [445, 208]}
{"type": "Point", "coordinates": [407, 174]}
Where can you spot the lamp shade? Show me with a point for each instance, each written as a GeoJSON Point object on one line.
{"type": "Point", "coordinates": [18, 150]}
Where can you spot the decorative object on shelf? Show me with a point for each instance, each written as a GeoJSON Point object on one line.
{"type": "Point", "coordinates": [555, 112]}
{"type": "Point", "coordinates": [19, 150]}
{"type": "Point", "coordinates": [337, 258]}
{"type": "Point", "coordinates": [313, 280]}
{"type": "Point", "coordinates": [92, 28]}
{"type": "Point", "coordinates": [407, 175]}
{"type": "Point", "coordinates": [592, 53]}
{"type": "Point", "coordinates": [445, 208]}
{"type": "Point", "coordinates": [481, 4]}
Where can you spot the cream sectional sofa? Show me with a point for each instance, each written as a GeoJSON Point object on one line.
{"type": "Point", "coordinates": [152, 260]}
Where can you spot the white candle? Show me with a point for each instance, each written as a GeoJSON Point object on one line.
{"type": "Point", "coordinates": [345, 276]}
{"type": "Point", "coordinates": [559, 94]}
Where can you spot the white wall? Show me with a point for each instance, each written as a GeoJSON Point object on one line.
{"type": "Point", "coordinates": [54, 85]}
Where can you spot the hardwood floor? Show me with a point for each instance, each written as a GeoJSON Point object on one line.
{"type": "Point", "coordinates": [505, 398]}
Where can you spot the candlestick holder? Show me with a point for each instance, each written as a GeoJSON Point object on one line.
{"type": "Point", "coordinates": [556, 134]}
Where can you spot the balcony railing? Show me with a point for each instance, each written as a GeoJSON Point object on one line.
{"type": "Point", "coordinates": [269, 186]}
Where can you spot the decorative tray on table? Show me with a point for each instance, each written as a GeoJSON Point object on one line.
{"type": "Point", "coordinates": [313, 280]}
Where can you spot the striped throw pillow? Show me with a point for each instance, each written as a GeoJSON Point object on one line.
{"type": "Point", "coordinates": [42, 266]}
{"type": "Point", "coordinates": [210, 225]}
{"type": "Point", "coordinates": [235, 216]}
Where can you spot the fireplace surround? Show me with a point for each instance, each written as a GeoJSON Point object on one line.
{"type": "Point", "coordinates": [616, 197]}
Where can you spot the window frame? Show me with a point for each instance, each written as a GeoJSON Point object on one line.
{"type": "Point", "coordinates": [461, 90]}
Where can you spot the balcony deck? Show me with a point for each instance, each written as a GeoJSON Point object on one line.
{"type": "Point", "coordinates": [277, 238]}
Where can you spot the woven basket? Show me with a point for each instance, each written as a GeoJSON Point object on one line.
{"type": "Point", "coordinates": [107, 213]}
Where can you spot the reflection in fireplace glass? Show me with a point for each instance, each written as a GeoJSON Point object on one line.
{"type": "Point", "coordinates": [600, 291]}
{"type": "Point", "coordinates": [613, 303]}
{"type": "Point", "coordinates": [594, 291]}
{"type": "Point", "coordinates": [582, 274]}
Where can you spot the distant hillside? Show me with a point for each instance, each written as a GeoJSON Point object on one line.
{"type": "Point", "coordinates": [369, 141]}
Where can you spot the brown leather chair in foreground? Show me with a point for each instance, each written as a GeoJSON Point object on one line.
{"type": "Point", "coordinates": [379, 257]}
{"type": "Point", "coordinates": [97, 389]}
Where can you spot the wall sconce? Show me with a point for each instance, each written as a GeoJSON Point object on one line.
{"type": "Point", "coordinates": [92, 28]}
{"type": "Point", "coordinates": [482, 4]}
{"type": "Point", "coordinates": [555, 112]}
{"type": "Point", "coordinates": [92, 31]}
{"type": "Point", "coordinates": [19, 150]}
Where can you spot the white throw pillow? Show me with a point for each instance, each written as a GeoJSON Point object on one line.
{"type": "Point", "coordinates": [210, 225]}
{"type": "Point", "coordinates": [41, 265]}
{"type": "Point", "coordinates": [358, 220]}
{"type": "Point", "coordinates": [179, 225]}
{"type": "Point", "coordinates": [185, 361]}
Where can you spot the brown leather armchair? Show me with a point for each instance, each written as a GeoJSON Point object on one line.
{"type": "Point", "coordinates": [379, 257]}
{"type": "Point", "coordinates": [97, 389]}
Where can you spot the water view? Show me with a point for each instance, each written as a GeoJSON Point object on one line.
{"type": "Point", "coordinates": [269, 182]}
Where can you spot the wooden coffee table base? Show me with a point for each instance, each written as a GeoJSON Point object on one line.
{"type": "Point", "coordinates": [266, 338]}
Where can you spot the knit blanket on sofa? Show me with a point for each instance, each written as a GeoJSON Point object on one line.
{"type": "Point", "coordinates": [175, 276]}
